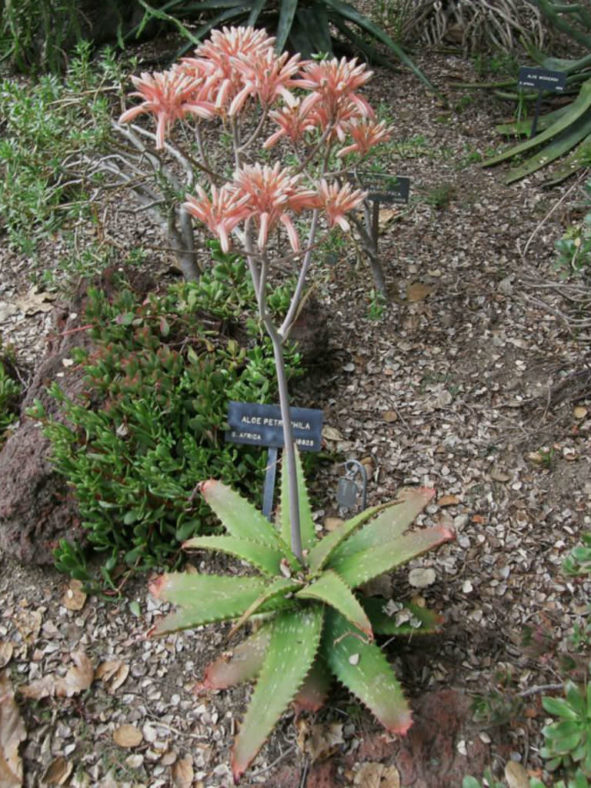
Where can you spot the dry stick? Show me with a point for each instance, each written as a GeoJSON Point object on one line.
{"type": "Point", "coordinates": [550, 212]}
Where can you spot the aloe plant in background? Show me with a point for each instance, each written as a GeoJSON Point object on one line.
{"type": "Point", "coordinates": [311, 622]}
{"type": "Point", "coordinates": [566, 130]}
{"type": "Point", "coordinates": [304, 26]}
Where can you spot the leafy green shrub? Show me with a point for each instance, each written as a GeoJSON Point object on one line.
{"type": "Point", "coordinates": [574, 248]}
{"type": "Point", "coordinates": [46, 130]}
{"type": "Point", "coordinates": [9, 396]}
{"type": "Point", "coordinates": [578, 561]}
{"type": "Point", "coordinates": [568, 741]}
{"type": "Point", "coordinates": [150, 422]}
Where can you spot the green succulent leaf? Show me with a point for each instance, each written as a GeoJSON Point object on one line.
{"type": "Point", "coordinates": [279, 591]}
{"type": "Point", "coordinates": [389, 524]}
{"type": "Point", "coordinates": [323, 550]}
{"type": "Point", "coordinates": [287, 9]}
{"type": "Point", "coordinates": [314, 690]}
{"type": "Point", "coordinates": [239, 516]}
{"type": "Point", "coordinates": [361, 567]}
{"type": "Point", "coordinates": [578, 108]}
{"type": "Point", "coordinates": [307, 529]}
{"type": "Point", "coordinates": [408, 619]}
{"type": "Point", "coordinates": [266, 559]}
{"type": "Point", "coordinates": [329, 588]}
{"type": "Point", "coordinates": [293, 646]}
{"type": "Point", "coordinates": [365, 671]}
{"type": "Point", "coordinates": [560, 708]}
{"type": "Point", "coordinates": [203, 598]}
{"type": "Point", "coordinates": [242, 663]}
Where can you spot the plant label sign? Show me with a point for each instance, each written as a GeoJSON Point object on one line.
{"type": "Point", "coordinates": [380, 187]}
{"type": "Point", "coordinates": [541, 79]}
{"type": "Point", "coordinates": [261, 425]}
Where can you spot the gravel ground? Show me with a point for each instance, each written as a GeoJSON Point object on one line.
{"type": "Point", "coordinates": [465, 383]}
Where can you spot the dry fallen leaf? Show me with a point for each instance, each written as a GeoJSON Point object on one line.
{"type": "Point", "coordinates": [74, 597]}
{"type": "Point", "coordinates": [387, 216]}
{"type": "Point", "coordinates": [330, 523]}
{"type": "Point", "coordinates": [580, 412]}
{"type": "Point", "coordinates": [112, 673]}
{"type": "Point", "coordinates": [516, 775]}
{"type": "Point", "coordinates": [12, 733]}
{"type": "Point", "coordinates": [58, 771]}
{"type": "Point", "coordinates": [323, 740]}
{"type": "Point", "coordinates": [448, 500]}
{"type": "Point", "coordinates": [331, 434]}
{"type": "Point", "coordinates": [182, 772]}
{"type": "Point", "coordinates": [499, 475]}
{"type": "Point", "coordinates": [127, 736]}
{"type": "Point", "coordinates": [389, 416]}
{"type": "Point", "coordinates": [417, 291]}
{"type": "Point", "coordinates": [76, 680]}
{"type": "Point", "coordinates": [34, 302]}
{"type": "Point", "coordinates": [421, 578]}
{"type": "Point", "coordinates": [28, 623]}
{"type": "Point", "coordinates": [376, 775]}
{"type": "Point", "coordinates": [6, 651]}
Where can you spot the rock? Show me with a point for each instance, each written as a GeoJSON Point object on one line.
{"type": "Point", "coordinates": [36, 507]}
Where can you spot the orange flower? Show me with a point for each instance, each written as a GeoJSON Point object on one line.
{"type": "Point", "coordinates": [333, 82]}
{"type": "Point", "coordinates": [169, 95]}
{"type": "Point", "coordinates": [292, 123]}
{"type": "Point", "coordinates": [336, 201]}
{"type": "Point", "coordinates": [366, 134]}
{"type": "Point", "coordinates": [266, 76]}
{"type": "Point", "coordinates": [270, 195]}
{"type": "Point", "coordinates": [222, 213]}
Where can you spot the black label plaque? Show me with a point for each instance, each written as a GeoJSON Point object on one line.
{"type": "Point", "coordinates": [261, 425]}
{"type": "Point", "coordinates": [383, 188]}
{"type": "Point", "coordinates": [542, 79]}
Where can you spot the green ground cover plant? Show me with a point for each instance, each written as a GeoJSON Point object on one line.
{"type": "Point", "coordinates": [10, 392]}
{"type": "Point", "coordinates": [150, 422]}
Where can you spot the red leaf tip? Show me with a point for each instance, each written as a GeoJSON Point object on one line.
{"type": "Point", "coordinates": [155, 586]}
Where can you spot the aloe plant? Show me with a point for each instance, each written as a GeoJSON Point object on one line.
{"type": "Point", "coordinates": [312, 623]}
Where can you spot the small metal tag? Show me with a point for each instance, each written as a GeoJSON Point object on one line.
{"type": "Point", "coordinates": [347, 493]}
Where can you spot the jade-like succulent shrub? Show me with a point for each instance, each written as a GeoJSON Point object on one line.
{"type": "Point", "coordinates": [312, 624]}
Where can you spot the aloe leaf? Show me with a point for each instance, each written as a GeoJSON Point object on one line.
{"type": "Point", "coordinates": [314, 691]}
{"type": "Point", "coordinates": [287, 9]}
{"type": "Point", "coordinates": [561, 144]}
{"type": "Point", "coordinates": [307, 530]}
{"type": "Point", "coordinates": [293, 646]}
{"type": "Point", "coordinates": [238, 665]}
{"type": "Point", "coordinates": [322, 551]}
{"type": "Point", "coordinates": [579, 157]}
{"type": "Point", "coordinates": [278, 591]}
{"type": "Point", "coordinates": [329, 588]}
{"type": "Point", "coordinates": [365, 671]}
{"type": "Point", "coordinates": [523, 127]}
{"type": "Point", "coordinates": [579, 106]}
{"type": "Point", "coordinates": [203, 598]}
{"type": "Point", "coordinates": [359, 42]}
{"type": "Point", "coordinates": [408, 619]}
{"type": "Point", "coordinates": [257, 7]}
{"type": "Point", "coordinates": [238, 515]}
{"type": "Point", "coordinates": [359, 568]}
{"type": "Point", "coordinates": [348, 12]}
{"type": "Point", "coordinates": [263, 557]}
{"type": "Point", "coordinates": [389, 524]}
{"type": "Point", "coordinates": [315, 30]}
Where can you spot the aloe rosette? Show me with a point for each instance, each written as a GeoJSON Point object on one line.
{"type": "Point", "coordinates": [311, 624]}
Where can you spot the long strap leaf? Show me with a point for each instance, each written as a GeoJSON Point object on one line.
{"type": "Point", "coordinates": [560, 145]}
{"type": "Point", "coordinates": [322, 551]}
{"type": "Point", "coordinates": [294, 643]}
{"type": "Point", "coordinates": [202, 599]}
{"type": "Point", "coordinates": [405, 619]}
{"type": "Point", "coordinates": [579, 106]}
{"type": "Point", "coordinates": [361, 567]}
{"type": "Point", "coordinates": [393, 521]}
{"type": "Point", "coordinates": [314, 691]}
{"type": "Point", "coordinates": [266, 559]}
{"type": "Point", "coordinates": [278, 591]}
{"type": "Point", "coordinates": [329, 588]}
{"type": "Point", "coordinates": [348, 12]}
{"type": "Point", "coordinates": [365, 671]}
{"type": "Point", "coordinates": [241, 664]}
{"type": "Point", "coordinates": [238, 515]}
{"type": "Point", "coordinates": [287, 9]}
